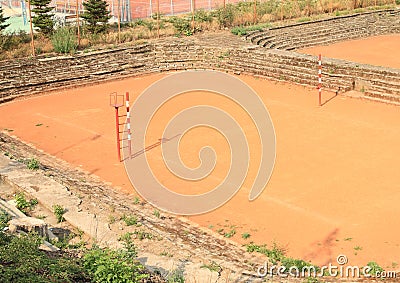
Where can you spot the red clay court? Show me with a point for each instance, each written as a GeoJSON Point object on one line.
{"type": "Point", "coordinates": [335, 188]}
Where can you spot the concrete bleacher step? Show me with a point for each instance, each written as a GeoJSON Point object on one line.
{"type": "Point", "coordinates": [382, 97]}
{"type": "Point", "coordinates": [10, 209]}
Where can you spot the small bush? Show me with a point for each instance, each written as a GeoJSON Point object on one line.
{"type": "Point", "coordinates": [182, 25]}
{"type": "Point", "coordinates": [246, 235]}
{"type": "Point", "coordinates": [106, 265]}
{"type": "Point", "coordinates": [239, 30]}
{"type": "Point", "coordinates": [22, 261]}
{"type": "Point", "coordinates": [33, 164]}
{"type": "Point", "coordinates": [23, 204]}
{"type": "Point", "coordinates": [225, 16]}
{"type": "Point", "coordinates": [202, 16]}
{"type": "Point", "coordinates": [64, 40]}
{"type": "Point", "coordinates": [375, 268]}
{"type": "Point", "coordinates": [4, 218]}
{"type": "Point", "coordinates": [176, 276]}
{"type": "Point", "coordinates": [59, 212]}
{"type": "Point", "coordinates": [129, 220]}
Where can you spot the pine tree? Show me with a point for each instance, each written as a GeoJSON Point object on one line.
{"type": "Point", "coordinates": [42, 18]}
{"type": "Point", "coordinates": [3, 20]}
{"type": "Point", "coordinates": [96, 15]}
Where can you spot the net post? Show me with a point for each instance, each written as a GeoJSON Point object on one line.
{"type": "Point", "coordinates": [117, 131]}
{"type": "Point", "coordinates": [128, 124]}
{"type": "Point", "coordinates": [319, 79]}
{"type": "Point", "coordinates": [114, 102]}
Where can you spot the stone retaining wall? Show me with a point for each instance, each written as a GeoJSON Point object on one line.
{"type": "Point", "coordinates": [223, 52]}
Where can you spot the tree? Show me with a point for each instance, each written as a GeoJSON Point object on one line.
{"type": "Point", "coordinates": [96, 15]}
{"type": "Point", "coordinates": [3, 20]}
{"type": "Point", "coordinates": [42, 18]}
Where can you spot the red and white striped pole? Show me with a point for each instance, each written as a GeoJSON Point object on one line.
{"type": "Point", "coordinates": [319, 78]}
{"type": "Point", "coordinates": [128, 123]}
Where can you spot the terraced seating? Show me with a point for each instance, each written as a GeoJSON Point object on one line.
{"type": "Point", "coordinates": [328, 31]}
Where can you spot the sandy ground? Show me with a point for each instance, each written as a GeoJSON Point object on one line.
{"type": "Point", "coordinates": [377, 50]}
{"type": "Point", "coordinates": [335, 187]}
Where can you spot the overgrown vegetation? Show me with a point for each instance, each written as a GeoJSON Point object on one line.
{"type": "Point", "coordinates": [64, 40]}
{"type": "Point", "coordinates": [59, 212]}
{"type": "Point", "coordinates": [277, 256]}
{"type": "Point", "coordinates": [21, 260]}
{"type": "Point", "coordinates": [23, 204]}
{"type": "Point", "coordinates": [375, 268]}
{"type": "Point", "coordinates": [106, 265]}
{"type": "Point", "coordinates": [33, 164]}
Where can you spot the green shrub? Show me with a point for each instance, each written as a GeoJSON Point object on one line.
{"type": "Point", "coordinates": [202, 16]}
{"type": "Point", "coordinates": [33, 164]}
{"type": "Point", "coordinates": [59, 212]}
{"type": "Point", "coordinates": [4, 218]}
{"type": "Point", "coordinates": [106, 265]}
{"type": "Point", "coordinates": [23, 262]}
{"type": "Point", "coordinates": [182, 25]}
{"type": "Point", "coordinates": [176, 276]}
{"type": "Point", "coordinates": [246, 235]}
{"type": "Point", "coordinates": [23, 204]}
{"type": "Point", "coordinates": [129, 220]}
{"type": "Point", "coordinates": [64, 40]}
{"type": "Point", "coordinates": [375, 268]}
{"type": "Point", "coordinates": [225, 16]}
{"type": "Point", "coordinates": [239, 30]}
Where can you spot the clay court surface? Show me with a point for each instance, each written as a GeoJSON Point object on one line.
{"type": "Point", "coordinates": [335, 186]}
{"type": "Point", "coordinates": [377, 50]}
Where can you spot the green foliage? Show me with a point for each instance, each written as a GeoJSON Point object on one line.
{"type": "Point", "coordinates": [230, 234]}
{"type": "Point", "coordinates": [141, 234]}
{"type": "Point", "coordinates": [21, 261]}
{"type": "Point", "coordinates": [276, 254]}
{"type": "Point", "coordinates": [242, 30]}
{"type": "Point", "coordinates": [130, 220]}
{"type": "Point", "coordinates": [23, 204]}
{"type": "Point", "coordinates": [128, 243]}
{"type": "Point", "coordinates": [182, 25]}
{"type": "Point", "coordinates": [157, 213]}
{"type": "Point", "coordinates": [202, 16]}
{"type": "Point", "coordinates": [213, 267]}
{"type": "Point", "coordinates": [176, 276]}
{"type": "Point", "coordinates": [299, 263]}
{"type": "Point", "coordinates": [3, 19]}
{"type": "Point", "coordinates": [64, 40]}
{"type": "Point", "coordinates": [13, 41]}
{"type": "Point", "coordinates": [375, 268]}
{"type": "Point", "coordinates": [42, 18]}
{"type": "Point", "coordinates": [59, 212]}
{"type": "Point", "coordinates": [246, 235]}
{"type": "Point", "coordinates": [4, 218]}
{"type": "Point", "coordinates": [225, 16]}
{"type": "Point", "coordinates": [106, 265]}
{"type": "Point", "coordinates": [33, 164]}
{"type": "Point", "coordinates": [96, 15]}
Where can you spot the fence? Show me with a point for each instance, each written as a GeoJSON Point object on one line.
{"type": "Point", "coordinates": [136, 9]}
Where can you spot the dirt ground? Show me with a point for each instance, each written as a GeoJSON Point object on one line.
{"type": "Point", "coordinates": [377, 50]}
{"type": "Point", "coordinates": [334, 189]}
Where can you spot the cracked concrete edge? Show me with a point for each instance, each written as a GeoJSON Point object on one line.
{"type": "Point", "coordinates": [49, 193]}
